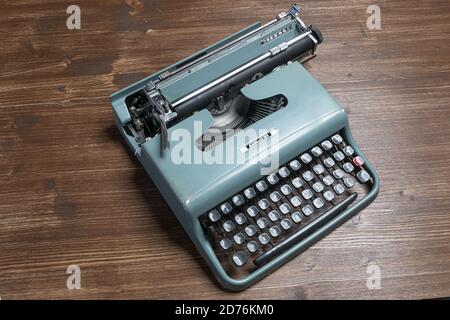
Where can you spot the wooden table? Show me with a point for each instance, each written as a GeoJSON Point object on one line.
{"type": "Point", "coordinates": [72, 194]}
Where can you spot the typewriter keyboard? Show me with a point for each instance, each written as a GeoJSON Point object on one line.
{"type": "Point", "coordinates": [270, 216]}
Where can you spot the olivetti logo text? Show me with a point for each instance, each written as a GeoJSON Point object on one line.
{"type": "Point", "coordinates": [239, 147]}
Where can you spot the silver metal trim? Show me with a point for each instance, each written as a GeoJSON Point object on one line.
{"type": "Point", "coordinates": [316, 42]}
{"type": "Point", "coordinates": [301, 22]}
{"type": "Point", "coordinates": [298, 38]}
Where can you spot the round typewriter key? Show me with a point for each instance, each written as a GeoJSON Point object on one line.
{"type": "Point", "coordinates": [252, 211]}
{"type": "Point", "coordinates": [358, 161]}
{"type": "Point", "coordinates": [275, 231]}
{"type": "Point", "coordinates": [239, 238]}
{"type": "Point", "coordinates": [238, 200]}
{"type": "Point", "coordinates": [284, 172]}
{"type": "Point", "coordinates": [295, 165]}
{"type": "Point", "coordinates": [226, 208]}
{"type": "Point", "coordinates": [296, 201]}
{"type": "Point", "coordinates": [273, 215]}
{"type": "Point", "coordinates": [348, 167]}
{"type": "Point", "coordinates": [240, 218]}
{"type": "Point", "coordinates": [272, 179]}
{"type": "Point", "coordinates": [316, 151]}
{"type": "Point", "coordinates": [297, 182]}
{"type": "Point", "coordinates": [348, 151]}
{"type": "Point", "coordinates": [326, 145]}
{"type": "Point", "coordinates": [307, 210]}
{"type": "Point", "coordinates": [307, 194]}
{"type": "Point", "coordinates": [308, 176]}
{"type": "Point", "coordinates": [328, 180]}
{"type": "Point", "coordinates": [239, 258]}
{"type": "Point", "coordinates": [339, 156]}
{"type": "Point", "coordinates": [285, 208]}
{"type": "Point", "coordinates": [337, 139]}
{"type": "Point", "coordinates": [296, 217]}
{"type": "Point", "coordinates": [261, 186]}
{"type": "Point", "coordinates": [318, 187]}
{"type": "Point", "coordinates": [339, 188]}
{"type": "Point", "coordinates": [363, 176]}
{"type": "Point", "coordinates": [349, 182]}
{"type": "Point", "coordinates": [286, 224]}
{"type": "Point", "coordinates": [328, 195]}
{"type": "Point", "coordinates": [275, 196]}
{"type": "Point", "coordinates": [338, 173]}
{"type": "Point", "coordinates": [263, 204]}
{"type": "Point", "coordinates": [264, 238]}
{"type": "Point", "coordinates": [318, 169]}
{"type": "Point", "coordinates": [318, 203]}
{"type": "Point", "coordinates": [214, 215]}
{"type": "Point", "coordinates": [228, 225]}
{"type": "Point", "coordinates": [286, 189]}
{"type": "Point", "coordinates": [252, 246]}
{"type": "Point", "coordinates": [306, 158]}
{"type": "Point", "coordinates": [249, 193]}
{"type": "Point", "coordinates": [328, 162]}
{"type": "Point", "coordinates": [262, 223]}
{"type": "Point", "coordinates": [225, 243]}
{"type": "Point", "coordinates": [250, 230]}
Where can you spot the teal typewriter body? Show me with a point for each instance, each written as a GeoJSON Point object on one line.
{"type": "Point", "coordinates": [294, 171]}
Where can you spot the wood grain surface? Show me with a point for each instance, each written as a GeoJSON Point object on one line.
{"type": "Point", "coordinates": [71, 192]}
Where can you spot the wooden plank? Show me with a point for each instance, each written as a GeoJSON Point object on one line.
{"type": "Point", "coordinates": [71, 193]}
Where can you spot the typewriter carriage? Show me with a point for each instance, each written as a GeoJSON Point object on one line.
{"type": "Point", "coordinates": [213, 78]}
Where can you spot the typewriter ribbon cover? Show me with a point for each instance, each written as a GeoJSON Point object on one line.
{"type": "Point", "coordinates": [252, 154]}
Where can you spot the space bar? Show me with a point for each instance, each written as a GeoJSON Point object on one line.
{"type": "Point", "coordinates": [304, 232]}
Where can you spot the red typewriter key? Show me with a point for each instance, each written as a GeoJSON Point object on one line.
{"type": "Point", "coordinates": [358, 161]}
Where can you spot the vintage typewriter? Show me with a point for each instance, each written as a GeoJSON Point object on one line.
{"type": "Point", "coordinates": [248, 97]}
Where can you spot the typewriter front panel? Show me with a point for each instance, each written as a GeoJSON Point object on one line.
{"type": "Point", "coordinates": [277, 212]}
